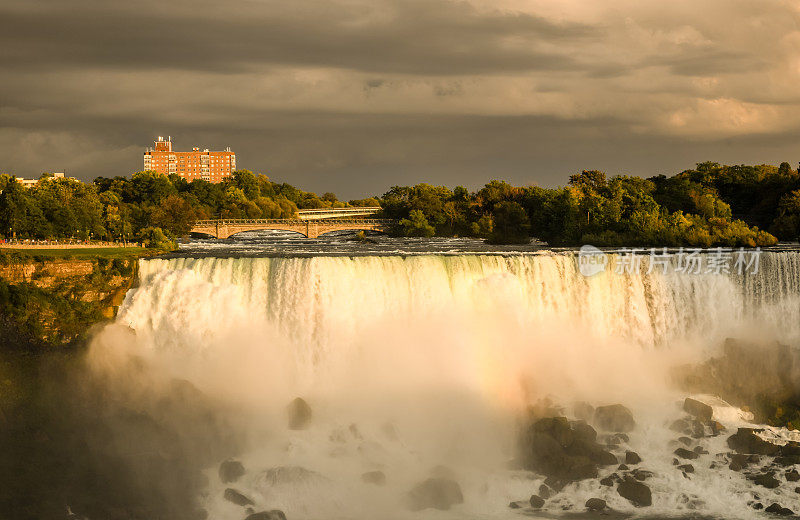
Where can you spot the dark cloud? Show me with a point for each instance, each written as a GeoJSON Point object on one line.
{"type": "Point", "coordinates": [413, 37]}
{"type": "Point", "coordinates": [354, 96]}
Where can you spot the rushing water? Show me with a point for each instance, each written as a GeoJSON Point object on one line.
{"type": "Point", "coordinates": [414, 361]}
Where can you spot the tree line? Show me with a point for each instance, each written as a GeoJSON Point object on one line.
{"type": "Point", "coordinates": [710, 205]}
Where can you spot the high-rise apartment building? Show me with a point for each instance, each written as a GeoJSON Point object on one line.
{"type": "Point", "coordinates": [197, 164]}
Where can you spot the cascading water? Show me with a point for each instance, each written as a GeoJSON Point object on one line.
{"type": "Point", "coordinates": [424, 363]}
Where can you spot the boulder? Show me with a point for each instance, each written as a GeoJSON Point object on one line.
{"type": "Point", "coordinates": [275, 514]}
{"type": "Point", "coordinates": [519, 504]}
{"type": "Point", "coordinates": [699, 409]}
{"type": "Point", "coordinates": [757, 506]}
{"type": "Point", "coordinates": [595, 504]}
{"type": "Point", "coordinates": [700, 450]}
{"type": "Point", "coordinates": [614, 418]}
{"type": "Point", "coordinates": [566, 451]}
{"type": "Point", "coordinates": [536, 502]}
{"type": "Point", "coordinates": [299, 414]}
{"type": "Point", "coordinates": [230, 471]}
{"type": "Point", "coordinates": [635, 492]}
{"type": "Point", "coordinates": [374, 477]}
{"type": "Point", "coordinates": [435, 493]}
{"type": "Point", "coordinates": [765, 479]}
{"type": "Point", "coordinates": [686, 468]}
{"type": "Point", "coordinates": [631, 457]}
{"type": "Point", "coordinates": [231, 495]}
{"type": "Point", "coordinates": [792, 476]}
{"type": "Point", "coordinates": [779, 510]}
{"type": "Point", "coordinates": [746, 441]}
{"type": "Point", "coordinates": [545, 492]}
{"type": "Point", "coordinates": [685, 454]}
{"type": "Point", "coordinates": [686, 441]}
{"type": "Point", "coordinates": [610, 480]}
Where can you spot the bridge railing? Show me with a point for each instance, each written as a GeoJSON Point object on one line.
{"type": "Point", "coordinates": [287, 221]}
{"type": "Point", "coordinates": [360, 209]}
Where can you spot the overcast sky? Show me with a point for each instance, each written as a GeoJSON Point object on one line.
{"type": "Point", "coordinates": [354, 96]}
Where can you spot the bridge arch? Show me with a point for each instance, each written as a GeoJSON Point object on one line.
{"type": "Point", "coordinates": [310, 228]}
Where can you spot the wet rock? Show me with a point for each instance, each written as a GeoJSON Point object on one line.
{"type": "Point", "coordinates": [792, 476]}
{"type": "Point", "coordinates": [435, 493]}
{"type": "Point", "coordinates": [641, 474]}
{"type": "Point", "coordinates": [716, 427]}
{"type": "Point", "coordinates": [614, 418]}
{"type": "Point", "coordinates": [797, 490]}
{"type": "Point", "coordinates": [680, 426]}
{"type": "Point", "coordinates": [765, 479]}
{"type": "Point", "coordinates": [557, 448]}
{"type": "Point", "coordinates": [746, 441]}
{"type": "Point", "coordinates": [631, 457]}
{"type": "Point", "coordinates": [595, 504]}
{"type": "Point", "coordinates": [609, 480]}
{"type": "Point", "coordinates": [275, 514]}
{"type": "Point", "coordinates": [536, 502]}
{"type": "Point", "coordinates": [584, 432]}
{"type": "Point", "coordinates": [518, 504]}
{"type": "Point", "coordinates": [374, 477]}
{"type": "Point", "coordinates": [686, 441]}
{"type": "Point", "coordinates": [635, 492]}
{"type": "Point", "coordinates": [686, 468]}
{"type": "Point", "coordinates": [545, 492]}
{"type": "Point", "coordinates": [620, 437]}
{"type": "Point", "coordinates": [698, 429]}
{"type": "Point", "coordinates": [779, 510]}
{"type": "Point", "coordinates": [230, 471]}
{"type": "Point", "coordinates": [700, 450]}
{"type": "Point", "coordinates": [231, 495]}
{"type": "Point", "coordinates": [698, 409]}
{"type": "Point", "coordinates": [757, 506]}
{"type": "Point", "coordinates": [623, 467]}
{"type": "Point", "coordinates": [299, 414]}
{"type": "Point", "coordinates": [685, 454]}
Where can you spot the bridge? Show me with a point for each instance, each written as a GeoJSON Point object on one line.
{"type": "Point", "coordinates": [311, 228]}
{"type": "Point", "coordinates": [317, 214]}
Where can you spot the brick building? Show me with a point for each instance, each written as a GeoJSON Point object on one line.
{"type": "Point", "coordinates": [197, 164]}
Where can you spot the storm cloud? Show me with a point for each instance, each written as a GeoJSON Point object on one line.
{"type": "Point", "coordinates": [354, 96]}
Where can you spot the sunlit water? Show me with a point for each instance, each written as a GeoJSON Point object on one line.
{"type": "Point", "coordinates": [418, 354]}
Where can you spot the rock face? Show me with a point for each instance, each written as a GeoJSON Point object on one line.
{"type": "Point", "coordinates": [614, 418]}
{"type": "Point", "coordinates": [230, 471]}
{"type": "Point", "coordinates": [567, 451]}
{"type": "Point", "coordinates": [231, 495]}
{"type": "Point", "coordinates": [299, 414]}
{"type": "Point", "coordinates": [275, 514]}
{"type": "Point", "coordinates": [635, 492]}
{"type": "Point", "coordinates": [435, 493]}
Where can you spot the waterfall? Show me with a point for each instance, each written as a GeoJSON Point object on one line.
{"type": "Point", "coordinates": [444, 347]}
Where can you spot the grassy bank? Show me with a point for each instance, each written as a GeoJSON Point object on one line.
{"type": "Point", "coordinates": [84, 253]}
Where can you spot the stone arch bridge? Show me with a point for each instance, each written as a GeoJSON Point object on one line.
{"type": "Point", "coordinates": [309, 228]}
